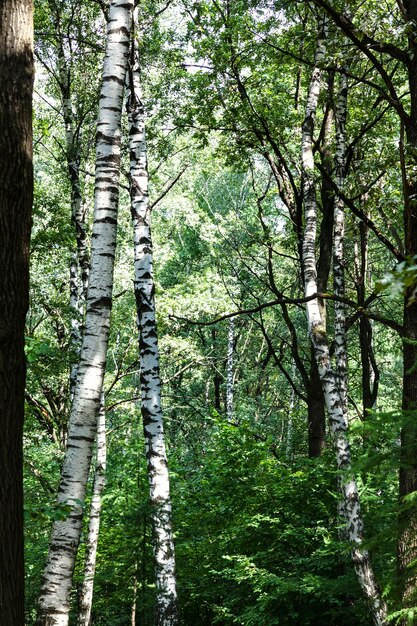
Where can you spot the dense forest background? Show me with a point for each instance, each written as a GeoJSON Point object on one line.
{"type": "Point", "coordinates": [227, 91]}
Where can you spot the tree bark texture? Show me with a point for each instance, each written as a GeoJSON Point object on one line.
{"type": "Point", "coordinates": [369, 367]}
{"type": "Point", "coordinates": [86, 595]}
{"type": "Point", "coordinates": [338, 246]}
{"type": "Point", "coordinates": [316, 413]}
{"type": "Point", "coordinates": [229, 384]}
{"type": "Point", "coordinates": [407, 544]}
{"type": "Point", "coordinates": [54, 600]}
{"type": "Point", "coordinates": [16, 194]}
{"type": "Point", "coordinates": [333, 397]}
{"type": "Point", "coordinates": [166, 613]}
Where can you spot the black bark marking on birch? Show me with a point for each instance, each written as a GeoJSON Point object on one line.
{"type": "Point", "coordinates": [107, 220]}
{"type": "Point", "coordinates": [103, 302]}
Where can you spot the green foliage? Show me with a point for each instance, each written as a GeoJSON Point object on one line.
{"type": "Point", "coordinates": [257, 541]}
{"type": "Point", "coordinates": [256, 527]}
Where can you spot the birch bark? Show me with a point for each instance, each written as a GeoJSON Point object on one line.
{"type": "Point", "coordinates": [333, 396]}
{"type": "Point", "coordinates": [167, 613]}
{"type": "Point", "coordinates": [86, 595]}
{"type": "Point", "coordinates": [338, 248]}
{"type": "Point", "coordinates": [54, 600]}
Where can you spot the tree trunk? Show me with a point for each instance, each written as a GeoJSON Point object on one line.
{"type": "Point", "coordinates": [16, 193]}
{"type": "Point", "coordinates": [54, 600]}
{"type": "Point", "coordinates": [79, 267]}
{"type": "Point", "coordinates": [315, 399]}
{"type": "Point", "coordinates": [229, 384]}
{"type": "Point", "coordinates": [317, 330]}
{"type": "Point", "coordinates": [369, 368]}
{"type": "Point", "coordinates": [216, 376]}
{"type": "Point", "coordinates": [338, 247]}
{"type": "Point", "coordinates": [407, 544]}
{"type": "Point", "coordinates": [86, 596]}
{"type": "Point", "coordinates": [166, 613]}
{"type": "Point", "coordinates": [316, 414]}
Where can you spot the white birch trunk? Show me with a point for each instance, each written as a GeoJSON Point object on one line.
{"type": "Point", "coordinates": [163, 546]}
{"type": "Point", "coordinates": [54, 600]}
{"type": "Point", "coordinates": [333, 396]}
{"type": "Point", "coordinates": [86, 595]}
{"type": "Point", "coordinates": [229, 383]}
{"type": "Point", "coordinates": [338, 247]}
{"type": "Point", "coordinates": [134, 601]}
{"type": "Point", "coordinates": [338, 269]}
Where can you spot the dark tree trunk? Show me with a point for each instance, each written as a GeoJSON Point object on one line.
{"type": "Point", "coordinates": [16, 192]}
{"type": "Point", "coordinates": [216, 376]}
{"type": "Point", "coordinates": [407, 544]}
{"type": "Point", "coordinates": [316, 412]}
{"type": "Point", "coordinates": [369, 369]}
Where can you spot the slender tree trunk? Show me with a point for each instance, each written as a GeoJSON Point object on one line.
{"type": "Point", "coordinates": [134, 600]}
{"type": "Point", "coordinates": [80, 266]}
{"type": "Point", "coordinates": [166, 613]}
{"type": "Point", "coordinates": [290, 426]}
{"type": "Point", "coordinates": [216, 375]}
{"type": "Point", "coordinates": [86, 595]}
{"type": "Point", "coordinates": [340, 350]}
{"type": "Point", "coordinates": [229, 384]}
{"type": "Point", "coordinates": [16, 193]}
{"type": "Point", "coordinates": [369, 368]}
{"type": "Point", "coordinates": [315, 399]}
{"type": "Point", "coordinates": [316, 414]}
{"type": "Point", "coordinates": [317, 330]}
{"type": "Point", "coordinates": [54, 600]}
{"type": "Point", "coordinates": [338, 247]}
{"type": "Point", "coordinates": [407, 544]}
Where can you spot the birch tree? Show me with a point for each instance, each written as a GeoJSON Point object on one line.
{"type": "Point", "coordinates": [166, 613]}
{"type": "Point", "coordinates": [338, 247]}
{"type": "Point", "coordinates": [16, 193]}
{"type": "Point", "coordinates": [403, 55]}
{"type": "Point", "coordinates": [54, 600]}
{"type": "Point", "coordinates": [86, 594]}
{"type": "Point", "coordinates": [333, 393]}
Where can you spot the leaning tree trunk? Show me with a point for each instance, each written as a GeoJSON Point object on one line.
{"type": "Point", "coordinates": [86, 595]}
{"type": "Point", "coordinates": [54, 600]}
{"type": "Point", "coordinates": [16, 192]}
{"type": "Point", "coordinates": [167, 613]}
{"type": "Point", "coordinates": [317, 330]}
